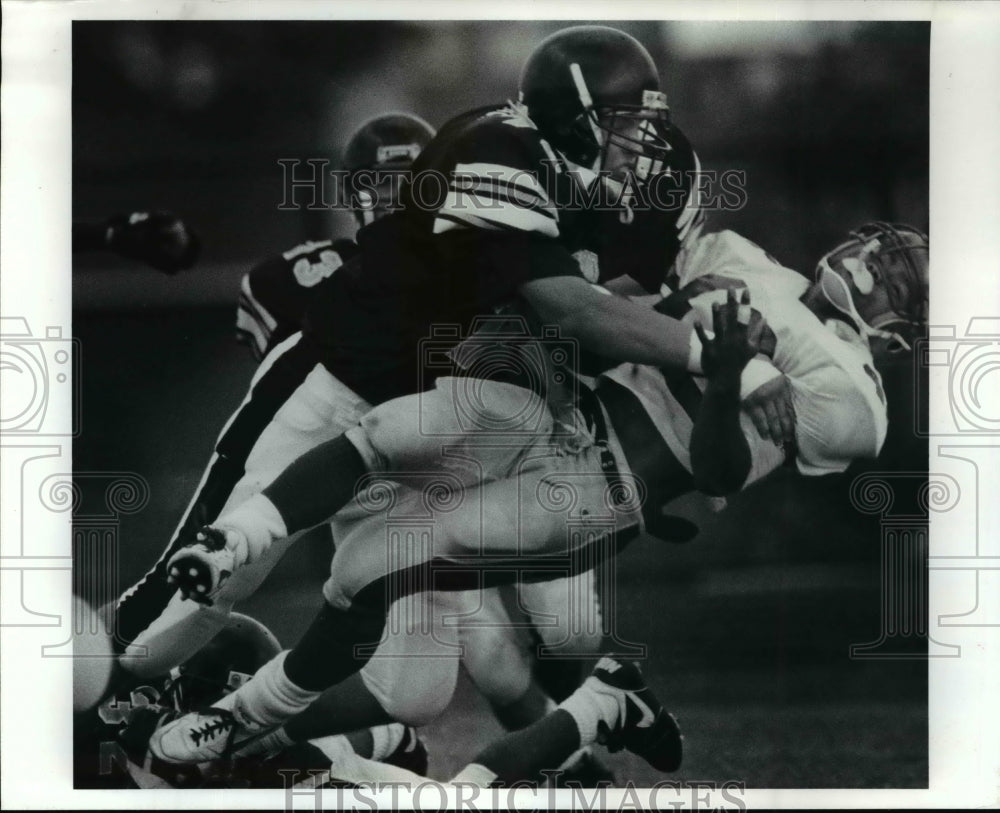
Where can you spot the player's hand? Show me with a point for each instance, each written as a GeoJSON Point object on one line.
{"type": "Point", "coordinates": [738, 330]}
{"type": "Point", "coordinates": [772, 412]}
{"type": "Point", "coordinates": [159, 239]}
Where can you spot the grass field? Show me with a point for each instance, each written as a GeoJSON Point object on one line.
{"type": "Point", "coordinates": [747, 628]}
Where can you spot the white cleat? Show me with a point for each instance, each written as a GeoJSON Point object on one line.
{"type": "Point", "coordinates": [201, 736]}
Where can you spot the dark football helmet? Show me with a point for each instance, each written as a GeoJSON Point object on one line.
{"type": "Point", "coordinates": [222, 665]}
{"type": "Point", "coordinates": [880, 278]}
{"type": "Point", "coordinates": [377, 157]}
{"type": "Point", "coordinates": [591, 87]}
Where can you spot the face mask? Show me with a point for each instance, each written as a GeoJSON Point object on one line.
{"type": "Point", "coordinates": [838, 294]}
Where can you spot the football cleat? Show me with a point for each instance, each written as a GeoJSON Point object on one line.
{"type": "Point", "coordinates": [200, 570]}
{"type": "Point", "coordinates": [144, 767]}
{"type": "Point", "coordinates": [643, 727]}
{"type": "Point", "coordinates": [201, 736]}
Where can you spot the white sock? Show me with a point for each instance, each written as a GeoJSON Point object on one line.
{"type": "Point", "coordinates": [386, 739]}
{"type": "Point", "coordinates": [269, 697]}
{"type": "Point", "coordinates": [259, 521]}
{"type": "Point", "coordinates": [589, 705]}
{"type": "Point", "coordinates": [474, 774]}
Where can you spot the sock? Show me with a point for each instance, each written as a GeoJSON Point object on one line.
{"type": "Point", "coordinates": [326, 653]}
{"type": "Point", "coordinates": [259, 521]}
{"type": "Point", "coordinates": [269, 698]}
{"type": "Point", "coordinates": [589, 705]}
{"type": "Point", "coordinates": [386, 739]}
{"type": "Point", "coordinates": [318, 484]}
{"type": "Point", "coordinates": [521, 754]}
{"type": "Point", "coordinates": [362, 742]}
{"type": "Point", "coordinates": [474, 774]}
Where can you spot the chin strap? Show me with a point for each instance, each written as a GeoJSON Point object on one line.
{"type": "Point", "coordinates": [835, 289]}
{"type": "Point", "coordinates": [891, 336]}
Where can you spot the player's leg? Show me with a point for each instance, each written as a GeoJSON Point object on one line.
{"type": "Point", "coordinates": [566, 620]}
{"type": "Point", "coordinates": [556, 504]}
{"type": "Point", "coordinates": [337, 644]}
{"type": "Point", "coordinates": [503, 659]}
{"type": "Point", "coordinates": [150, 599]}
{"type": "Point", "coordinates": [495, 655]}
{"type": "Point", "coordinates": [292, 405]}
{"type": "Point", "coordinates": [410, 678]}
{"type": "Point", "coordinates": [421, 435]}
{"type": "Point", "coordinates": [613, 706]}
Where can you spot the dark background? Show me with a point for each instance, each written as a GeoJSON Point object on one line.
{"type": "Point", "coordinates": [749, 626]}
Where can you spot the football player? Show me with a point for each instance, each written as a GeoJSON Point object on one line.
{"type": "Point", "coordinates": [274, 294]}
{"type": "Point", "coordinates": [516, 198]}
{"type": "Point", "coordinates": [273, 300]}
{"type": "Point", "coordinates": [656, 434]}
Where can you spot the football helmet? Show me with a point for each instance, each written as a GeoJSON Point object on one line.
{"type": "Point", "coordinates": [590, 88]}
{"type": "Point", "coordinates": [222, 665]}
{"type": "Point", "coordinates": [879, 278]}
{"type": "Point", "coordinates": [376, 158]}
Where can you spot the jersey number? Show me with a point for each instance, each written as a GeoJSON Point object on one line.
{"type": "Point", "coordinates": [308, 273]}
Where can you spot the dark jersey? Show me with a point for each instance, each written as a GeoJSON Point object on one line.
{"type": "Point", "coordinates": [274, 293]}
{"type": "Point", "coordinates": [490, 206]}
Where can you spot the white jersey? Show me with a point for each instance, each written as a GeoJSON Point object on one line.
{"type": "Point", "coordinates": [837, 394]}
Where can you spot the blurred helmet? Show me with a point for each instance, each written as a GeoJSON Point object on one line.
{"type": "Point", "coordinates": [223, 664]}
{"type": "Point", "coordinates": [879, 278]}
{"type": "Point", "coordinates": [377, 157]}
{"type": "Point", "coordinates": [589, 87]}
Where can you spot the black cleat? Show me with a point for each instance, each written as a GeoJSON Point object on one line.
{"type": "Point", "coordinates": [644, 727]}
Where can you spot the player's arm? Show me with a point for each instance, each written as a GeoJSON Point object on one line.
{"type": "Point", "coordinates": [612, 326]}
{"type": "Point", "coordinates": [720, 453]}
